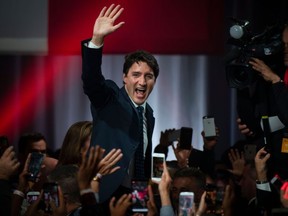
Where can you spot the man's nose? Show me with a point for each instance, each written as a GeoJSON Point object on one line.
{"type": "Point", "coordinates": [142, 80]}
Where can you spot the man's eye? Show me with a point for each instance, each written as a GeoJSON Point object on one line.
{"type": "Point", "coordinates": [150, 76]}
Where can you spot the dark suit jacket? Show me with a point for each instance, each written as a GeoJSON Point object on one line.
{"type": "Point", "coordinates": [270, 100]}
{"type": "Point", "coordinates": [115, 119]}
{"type": "Point", "coordinates": [268, 199]}
{"type": "Point", "coordinates": [5, 197]}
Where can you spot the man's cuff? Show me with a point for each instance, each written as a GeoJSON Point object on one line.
{"type": "Point", "coordinates": [93, 46]}
{"type": "Point", "coordinates": [264, 186]}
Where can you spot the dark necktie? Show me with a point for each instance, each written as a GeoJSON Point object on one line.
{"type": "Point", "coordinates": [139, 154]}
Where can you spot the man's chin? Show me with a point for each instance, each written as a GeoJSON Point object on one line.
{"type": "Point", "coordinates": [138, 101]}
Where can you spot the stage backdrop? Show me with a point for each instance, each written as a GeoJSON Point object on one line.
{"type": "Point", "coordinates": [162, 27]}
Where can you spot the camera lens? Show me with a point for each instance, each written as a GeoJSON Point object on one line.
{"type": "Point", "coordinates": [239, 75]}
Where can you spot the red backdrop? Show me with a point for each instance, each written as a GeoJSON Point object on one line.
{"type": "Point", "coordinates": [159, 26]}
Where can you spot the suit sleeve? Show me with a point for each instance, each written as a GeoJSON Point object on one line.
{"type": "Point", "coordinates": [94, 84]}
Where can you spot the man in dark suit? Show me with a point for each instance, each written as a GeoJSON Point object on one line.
{"type": "Point", "coordinates": [114, 110]}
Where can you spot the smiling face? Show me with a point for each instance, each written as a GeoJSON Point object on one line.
{"type": "Point", "coordinates": [139, 82]}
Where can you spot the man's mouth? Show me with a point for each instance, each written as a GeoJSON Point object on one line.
{"type": "Point", "coordinates": [140, 90]}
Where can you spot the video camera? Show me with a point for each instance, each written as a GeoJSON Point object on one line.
{"type": "Point", "coordinates": [267, 46]}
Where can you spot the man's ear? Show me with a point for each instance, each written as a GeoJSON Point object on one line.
{"type": "Point", "coordinates": [124, 77]}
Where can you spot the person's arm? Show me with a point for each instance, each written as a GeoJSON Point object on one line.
{"type": "Point", "coordinates": [229, 199]}
{"type": "Point", "coordinates": [202, 206]}
{"type": "Point", "coordinates": [164, 187]}
{"type": "Point", "coordinates": [86, 173]}
{"type": "Point", "coordinates": [265, 195]}
{"type": "Point", "coordinates": [261, 158]}
{"type": "Point", "coordinates": [92, 77]}
{"type": "Point", "coordinates": [208, 161]}
{"type": "Point", "coordinates": [22, 188]}
{"type": "Point", "coordinates": [182, 155]}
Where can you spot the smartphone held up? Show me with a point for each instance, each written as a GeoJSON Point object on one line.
{"type": "Point", "coordinates": [186, 203]}
{"type": "Point", "coordinates": [184, 136]}
{"type": "Point", "coordinates": [158, 160]}
{"type": "Point", "coordinates": [139, 195]}
{"type": "Point", "coordinates": [209, 127]}
{"type": "Point", "coordinates": [34, 167]}
{"type": "Point", "coordinates": [32, 196]}
{"type": "Point", "coordinates": [51, 193]}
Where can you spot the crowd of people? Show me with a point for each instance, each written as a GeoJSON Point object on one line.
{"type": "Point", "coordinates": [92, 172]}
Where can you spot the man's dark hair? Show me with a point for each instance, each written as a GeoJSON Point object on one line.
{"type": "Point", "coordinates": [138, 56]}
{"type": "Point", "coordinates": [192, 172]}
{"type": "Point", "coordinates": [66, 177]}
{"type": "Point", "coordinates": [27, 139]}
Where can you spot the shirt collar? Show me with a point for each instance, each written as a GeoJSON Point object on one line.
{"type": "Point", "coordinates": [143, 105]}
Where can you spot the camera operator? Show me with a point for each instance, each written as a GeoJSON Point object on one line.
{"type": "Point", "coordinates": [278, 85]}
{"type": "Point", "coordinates": [272, 100]}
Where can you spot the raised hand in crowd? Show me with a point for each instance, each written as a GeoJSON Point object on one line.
{"type": "Point", "coordinates": [119, 207]}
{"type": "Point", "coordinates": [238, 162]}
{"type": "Point", "coordinates": [182, 155]}
{"type": "Point", "coordinates": [106, 165]}
{"type": "Point", "coordinates": [86, 174]}
{"type": "Point", "coordinates": [164, 191]}
{"type": "Point", "coordinates": [261, 159]}
{"type": "Point", "coordinates": [8, 164]}
{"type": "Point", "coordinates": [243, 128]}
{"type": "Point", "coordinates": [88, 168]}
{"type": "Point", "coordinates": [35, 210]}
{"type": "Point", "coordinates": [61, 209]}
{"type": "Point", "coordinates": [209, 143]}
{"type": "Point", "coordinates": [22, 189]}
{"type": "Point", "coordinates": [23, 184]}
{"type": "Point", "coordinates": [164, 187]}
